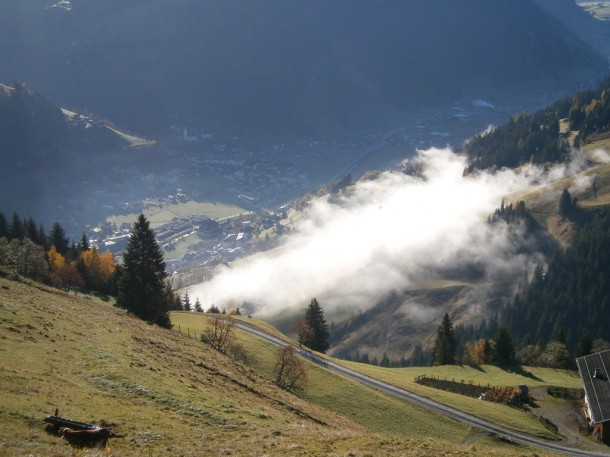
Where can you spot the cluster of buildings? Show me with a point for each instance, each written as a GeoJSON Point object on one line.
{"type": "Point", "coordinates": [210, 242]}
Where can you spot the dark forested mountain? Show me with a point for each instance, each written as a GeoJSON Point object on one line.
{"type": "Point", "coordinates": [588, 28]}
{"type": "Point", "coordinates": [30, 125]}
{"type": "Point", "coordinates": [571, 296]}
{"type": "Point", "coordinates": [284, 65]}
{"type": "Point", "coordinates": [536, 137]}
{"type": "Point", "coordinates": [524, 138]}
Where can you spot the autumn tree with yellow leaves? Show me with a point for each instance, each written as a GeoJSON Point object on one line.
{"type": "Point", "coordinates": [63, 274]}
{"type": "Point", "coordinates": [97, 269]}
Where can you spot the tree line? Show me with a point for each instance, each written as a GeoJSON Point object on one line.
{"type": "Point", "coordinates": [50, 257]}
{"type": "Point", "coordinates": [536, 137]}
{"type": "Point", "coordinates": [140, 284]}
{"type": "Point", "coordinates": [559, 313]}
{"type": "Point", "coordinates": [532, 138]}
{"type": "Point", "coordinates": [569, 297]}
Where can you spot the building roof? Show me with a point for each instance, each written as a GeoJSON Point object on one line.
{"type": "Point", "coordinates": [595, 373]}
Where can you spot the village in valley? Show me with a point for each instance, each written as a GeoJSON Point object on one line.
{"type": "Point", "coordinates": [258, 184]}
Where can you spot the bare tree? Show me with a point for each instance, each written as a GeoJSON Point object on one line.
{"type": "Point", "coordinates": [219, 333]}
{"type": "Point", "coordinates": [302, 329]}
{"type": "Point", "coordinates": [238, 353]}
{"type": "Point", "coordinates": [289, 369]}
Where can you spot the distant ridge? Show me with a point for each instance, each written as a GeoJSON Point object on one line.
{"type": "Point", "coordinates": [285, 66]}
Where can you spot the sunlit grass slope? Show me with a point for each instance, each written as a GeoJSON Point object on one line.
{"type": "Point", "coordinates": [171, 395]}
{"type": "Point", "coordinates": [338, 395]}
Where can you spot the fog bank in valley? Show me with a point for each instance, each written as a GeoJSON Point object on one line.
{"type": "Point", "coordinates": [384, 235]}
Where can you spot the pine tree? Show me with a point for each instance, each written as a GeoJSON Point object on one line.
{"type": "Point", "coordinates": [418, 358]}
{"type": "Point", "coordinates": [16, 229]}
{"type": "Point", "coordinates": [31, 231]}
{"type": "Point", "coordinates": [175, 302]}
{"type": "Point", "coordinates": [84, 243]}
{"type": "Point", "coordinates": [142, 288]}
{"type": "Point", "coordinates": [3, 226]}
{"type": "Point", "coordinates": [585, 345]}
{"type": "Point", "coordinates": [314, 316]}
{"type": "Point", "coordinates": [59, 239]}
{"type": "Point", "coordinates": [385, 361]}
{"type": "Point", "coordinates": [42, 237]}
{"type": "Point", "coordinates": [445, 344]}
{"type": "Point", "coordinates": [504, 353]}
{"type": "Point", "coordinates": [566, 205]}
{"type": "Point", "coordinates": [186, 302]}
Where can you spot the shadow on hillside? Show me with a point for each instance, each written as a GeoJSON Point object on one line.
{"type": "Point", "coordinates": [477, 367]}
{"type": "Point", "coordinates": [518, 369]}
{"type": "Point", "coordinates": [101, 296]}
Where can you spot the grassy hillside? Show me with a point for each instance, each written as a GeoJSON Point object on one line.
{"type": "Point", "coordinates": [170, 395]}
{"type": "Point", "coordinates": [591, 187]}
{"type": "Point", "coordinates": [338, 395]}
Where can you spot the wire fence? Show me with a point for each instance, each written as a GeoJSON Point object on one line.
{"type": "Point", "coordinates": [191, 333]}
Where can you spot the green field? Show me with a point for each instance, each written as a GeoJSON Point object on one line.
{"type": "Point", "coordinates": [336, 395]}
{"type": "Point", "coordinates": [600, 9]}
{"type": "Point", "coordinates": [169, 394]}
{"type": "Point", "coordinates": [162, 215]}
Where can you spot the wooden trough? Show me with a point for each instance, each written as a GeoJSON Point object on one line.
{"type": "Point", "coordinates": [57, 423]}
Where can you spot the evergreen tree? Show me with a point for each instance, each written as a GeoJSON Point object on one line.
{"type": "Point", "coordinates": [59, 239]}
{"type": "Point", "coordinates": [213, 309]}
{"type": "Point", "coordinates": [142, 287]}
{"type": "Point", "coordinates": [504, 353]}
{"type": "Point", "coordinates": [42, 237]}
{"type": "Point", "coordinates": [31, 231]}
{"type": "Point", "coordinates": [566, 204]}
{"type": "Point", "coordinates": [175, 302]}
{"type": "Point", "coordinates": [419, 359]}
{"type": "Point", "coordinates": [585, 345]}
{"type": "Point", "coordinates": [445, 344]}
{"type": "Point", "coordinates": [3, 226]}
{"type": "Point", "coordinates": [84, 244]}
{"type": "Point", "coordinates": [314, 316]}
{"type": "Point", "coordinates": [198, 307]}
{"type": "Point", "coordinates": [385, 361]}
{"type": "Point", "coordinates": [16, 230]}
{"type": "Point", "coordinates": [186, 302]}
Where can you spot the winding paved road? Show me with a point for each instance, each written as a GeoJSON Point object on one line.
{"type": "Point", "coordinates": [426, 403]}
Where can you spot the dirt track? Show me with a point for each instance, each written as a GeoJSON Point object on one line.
{"type": "Point", "coordinates": [567, 415]}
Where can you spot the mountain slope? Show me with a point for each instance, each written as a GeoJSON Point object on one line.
{"type": "Point", "coordinates": [589, 29]}
{"type": "Point", "coordinates": [282, 66]}
{"type": "Point", "coordinates": [166, 393]}
{"type": "Point", "coordinates": [30, 126]}
{"type": "Point", "coordinates": [171, 395]}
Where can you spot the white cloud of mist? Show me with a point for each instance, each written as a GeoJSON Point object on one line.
{"type": "Point", "coordinates": [386, 235]}
{"type": "Point", "coordinates": [600, 155]}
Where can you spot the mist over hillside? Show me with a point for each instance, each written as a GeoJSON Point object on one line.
{"type": "Point", "coordinates": [387, 235]}
{"type": "Point", "coordinates": [284, 67]}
